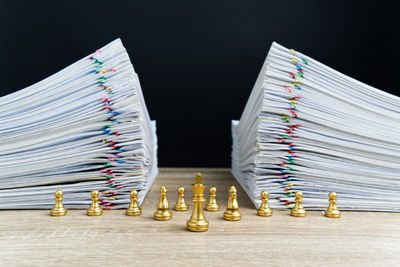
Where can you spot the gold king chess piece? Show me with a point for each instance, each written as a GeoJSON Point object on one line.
{"type": "Point", "coordinates": [163, 213]}
{"type": "Point", "coordinates": [134, 209]}
{"type": "Point", "coordinates": [212, 203]}
{"type": "Point", "coordinates": [197, 222]}
{"type": "Point", "coordinates": [264, 209]}
{"type": "Point", "coordinates": [332, 211]}
{"type": "Point", "coordinates": [181, 204]}
{"type": "Point", "coordinates": [298, 209]}
{"type": "Point", "coordinates": [232, 210]}
{"type": "Point", "coordinates": [58, 209]}
{"type": "Point", "coordinates": [95, 209]}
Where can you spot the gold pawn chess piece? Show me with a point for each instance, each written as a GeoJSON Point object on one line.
{"type": "Point", "coordinates": [332, 211]}
{"type": "Point", "coordinates": [197, 222]}
{"type": "Point", "coordinates": [95, 209]}
{"type": "Point", "coordinates": [181, 204]}
{"type": "Point", "coordinates": [232, 210]}
{"type": "Point", "coordinates": [264, 209]}
{"type": "Point", "coordinates": [212, 203]}
{"type": "Point", "coordinates": [298, 209]}
{"type": "Point", "coordinates": [163, 213]}
{"type": "Point", "coordinates": [58, 209]}
{"type": "Point", "coordinates": [134, 209]}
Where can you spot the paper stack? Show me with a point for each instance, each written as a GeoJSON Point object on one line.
{"type": "Point", "coordinates": [83, 128]}
{"type": "Point", "coordinates": [309, 128]}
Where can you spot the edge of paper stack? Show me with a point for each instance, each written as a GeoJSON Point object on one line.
{"type": "Point", "coordinates": [309, 128]}
{"type": "Point", "coordinates": [86, 127]}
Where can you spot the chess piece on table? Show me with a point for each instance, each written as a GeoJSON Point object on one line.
{"type": "Point", "coordinates": [181, 204]}
{"type": "Point", "coordinates": [134, 209]}
{"type": "Point", "coordinates": [332, 211]}
{"type": "Point", "coordinates": [58, 209]}
{"type": "Point", "coordinates": [163, 213]}
{"type": "Point", "coordinates": [212, 203]}
{"type": "Point", "coordinates": [232, 210]}
{"type": "Point", "coordinates": [95, 209]}
{"type": "Point", "coordinates": [264, 209]}
{"type": "Point", "coordinates": [298, 209]}
{"type": "Point", "coordinates": [197, 222]}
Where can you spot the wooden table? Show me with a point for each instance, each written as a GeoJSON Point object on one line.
{"type": "Point", "coordinates": [358, 238]}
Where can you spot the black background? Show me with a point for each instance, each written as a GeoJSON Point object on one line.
{"type": "Point", "coordinates": [198, 60]}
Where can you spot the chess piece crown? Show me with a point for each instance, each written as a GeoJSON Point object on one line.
{"type": "Point", "coordinates": [181, 204]}
{"type": "Point", "coordinates": [332, 211]}
{"type": "Point", "coordinates": [198, 222]}
{"type": "Point", "coordinates": [212, 204]}
{"type": "Point", "coordinates": [134, 209]}
{"type": "Point", "coordinates": [264, 209]}
{"type": "Point", "coordinates": [298, 209]}
{"type": "Point", "coordinates": [163, 213]}
{"type": "Point", "coordinates": [95, 209]}
{"type": "Point", "coordinates": [232, 212]}
{"type": "Point", "coordinates": [58, 208]}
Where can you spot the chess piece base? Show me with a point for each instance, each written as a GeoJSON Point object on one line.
{"type": "Point", "coordinates": [58, 212]}
{"type": "Point", "coordinates": [163, 215]}
{"type": "Point", "coordinates": [197, 225]}
{"type": "Point", "coordinates": [212, 207]}
{"type": "Point", "coordinates": [298, 213]}
{"type": "Point", "coordinates": [333, 214]}
{"type": "Point", "coordinates": [180, 207]}
{"type": "Point", "coordinates": [133, 212]}
{"type": "Point", "coordinates": [95, 212]}
{"type": "Point", "coordinates": [230, 215]}
{"type": "Point", "coordinates": [264, 213]}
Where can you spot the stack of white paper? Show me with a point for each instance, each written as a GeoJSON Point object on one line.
{"type": "Point", "coordinates": [83, 128]}
{"type": "Point", "coordinates": [309, 128]}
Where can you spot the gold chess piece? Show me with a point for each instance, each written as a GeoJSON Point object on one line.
{"type": "Point", "coordinates": [264, 209]}
{"type": "Point", "coordinates": [163, 213]}
{"type": "Point", "coordinates": [298, 209]}
{"type": "Point", "coordinates": [212, 203]}
{"type": "Point", "coordinates": [332, 211]}
{"type": "Point", "coordinates": [95, 209]}
{"type": "Point", "coordinates": [134, 209]}
{"type": "Point", "coordinates": [232, 212]}
{"type": "Point", "coordinates": [58, 209]}
{"type": "Point", "coordinates": [197, 222]}
{"type": "Point", "coordinates": [181, 204]}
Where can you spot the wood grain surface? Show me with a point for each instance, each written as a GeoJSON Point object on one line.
{"type": "Point", "coordinates": [34, 238]}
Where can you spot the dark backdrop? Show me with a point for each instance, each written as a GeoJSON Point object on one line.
{"type": "Point", "coordinates": [198, 60]}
